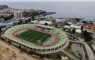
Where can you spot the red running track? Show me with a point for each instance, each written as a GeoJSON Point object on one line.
{"type": "Point", "coordinates": [55, 41]}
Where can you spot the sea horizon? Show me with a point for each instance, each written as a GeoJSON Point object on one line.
{"type": "Point", "coordinates": [63, 9]}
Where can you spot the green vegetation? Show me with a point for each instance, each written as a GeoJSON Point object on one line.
{"type": "Point", "coordinates": [34, 36]}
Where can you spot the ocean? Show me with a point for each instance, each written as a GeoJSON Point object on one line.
{"type": "Point", "coordinates": [84, 10]}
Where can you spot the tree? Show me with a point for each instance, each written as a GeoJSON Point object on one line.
{"type": "Point", "coordinates": [0, 31]}
{"type": "Point", "coordinates": [74, 30]}
{"type": "Point", "coordinates": [77, 19]}
{"type": "Point", "coordinates": [46, 24]}
{"type": "Point", "coordinates": [87, 36]}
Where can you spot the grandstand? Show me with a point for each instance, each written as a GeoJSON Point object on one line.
{"type": "Point", "coordinates": [42, 41]}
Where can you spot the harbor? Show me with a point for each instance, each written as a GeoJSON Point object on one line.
{"type": "Point", "coordinates": [33, 34]}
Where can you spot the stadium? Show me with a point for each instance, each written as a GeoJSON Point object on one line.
{"type": "Point", "coordinates": [38, 38]}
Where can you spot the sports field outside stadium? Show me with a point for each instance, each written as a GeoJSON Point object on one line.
{"type": "Point", "coordinates": [34, 36]}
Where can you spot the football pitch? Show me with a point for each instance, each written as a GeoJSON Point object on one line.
{"type": "Point", "coordinates": [34, 36]}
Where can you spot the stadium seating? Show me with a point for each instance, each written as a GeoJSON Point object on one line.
{"type": "Point", "coordinates": [62, 43]}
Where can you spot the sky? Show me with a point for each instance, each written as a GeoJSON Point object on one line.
{"type": "Point", "coordinates": [63, 9]}
{"type": "Point", "coordinates": [39, 0]}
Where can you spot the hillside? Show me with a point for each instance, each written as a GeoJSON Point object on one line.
{"type": "Point", "coordinates": [3, 7]}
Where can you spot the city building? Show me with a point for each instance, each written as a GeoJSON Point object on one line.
{"type": "Point", "coordinates": [18, 14]}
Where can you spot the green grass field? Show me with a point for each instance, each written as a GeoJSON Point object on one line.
{"type": "Point", "coordinates": [34, 36]}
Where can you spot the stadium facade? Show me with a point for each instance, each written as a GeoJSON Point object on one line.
{"type": "Point", "coordinates": [56, 41]}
